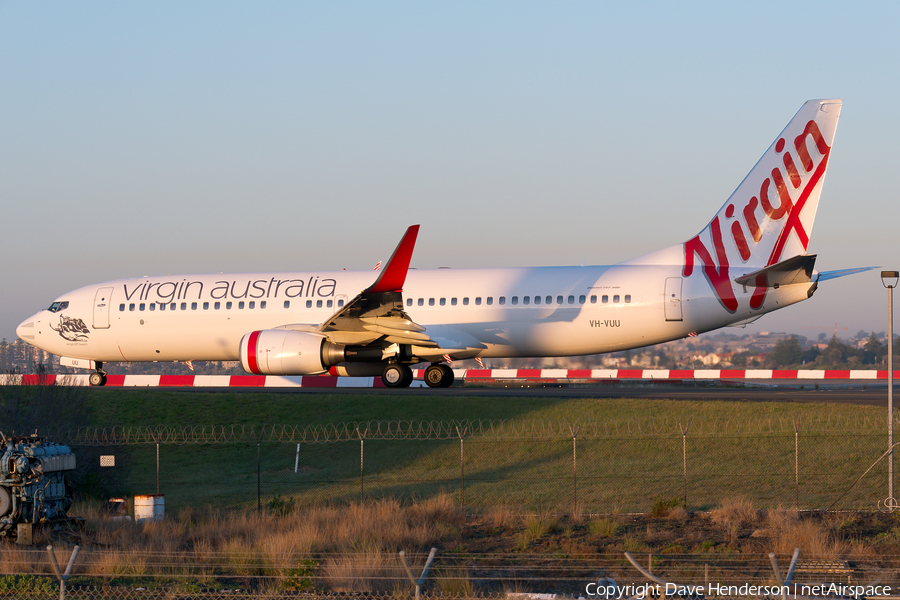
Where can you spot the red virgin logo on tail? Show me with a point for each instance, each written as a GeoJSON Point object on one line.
{"type": "Point", "coordinates": [800, 176]}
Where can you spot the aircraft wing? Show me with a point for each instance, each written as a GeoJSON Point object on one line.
{"type": "Point", "coordinates": [376, 314]}
{"type": "Point", "coordinates": [825, 276]}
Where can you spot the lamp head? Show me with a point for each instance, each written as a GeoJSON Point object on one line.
{"type": "Point", "coordinates": [889, 278]}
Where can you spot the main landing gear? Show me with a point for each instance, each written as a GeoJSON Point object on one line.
{"type": "Point", "coordinates": [98, 377]}
{"type": "Point", "coordinates": [397, 375]}
{"type": "Point", "coordinates": [439, 375]}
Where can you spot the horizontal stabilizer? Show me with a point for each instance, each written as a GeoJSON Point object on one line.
{"type": "Point", "coordinates": [798, 269]}
{"type": "Point", "coordinates": [835, 274]}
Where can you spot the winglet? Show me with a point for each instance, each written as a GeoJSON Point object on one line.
{"type": "Point", "coordinates": [393, 275]}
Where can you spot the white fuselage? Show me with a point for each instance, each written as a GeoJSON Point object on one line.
{"type": "Point", "coordinates": [537, 311]}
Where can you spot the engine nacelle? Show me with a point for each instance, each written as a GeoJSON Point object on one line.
{"type": "Point", "coordinates": [287, 352]}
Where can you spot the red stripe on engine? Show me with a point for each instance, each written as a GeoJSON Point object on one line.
{"type": "Point", "coordinates": [251, 353]}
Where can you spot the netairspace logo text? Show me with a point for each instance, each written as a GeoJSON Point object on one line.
{"type": "Point", "coordinates": [670, 590]}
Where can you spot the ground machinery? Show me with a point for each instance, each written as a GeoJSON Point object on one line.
{"type": "Point", "coordinates": [33, 490]}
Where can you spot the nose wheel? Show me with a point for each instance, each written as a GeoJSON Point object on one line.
{"type": "Point", "coordinates": [397, 375]}
{"type": "Point", "coordinates": [439, 375]}
{"type": "Point", "coordinates": [98, 377]}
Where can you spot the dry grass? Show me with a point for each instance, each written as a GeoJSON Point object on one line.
{"type": "Point", "coordinates": [362, 539]}
{"type": "Point", "coordinates": [605, 527]}
{"type": "Point", "coordinates": [737, 511]}
{"type": "Point", "coordinates": [500, 516]}
{"type": "Point", "coordinates": [813, 539]}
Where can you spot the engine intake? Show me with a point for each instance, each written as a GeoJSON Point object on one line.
{"type": "Point", "coordinates": [287, 352]}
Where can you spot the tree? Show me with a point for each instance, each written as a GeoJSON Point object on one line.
{"type": "Point", "coordinates": [786, 352]}
{"type": "Point", "coordinates": [874, 350]}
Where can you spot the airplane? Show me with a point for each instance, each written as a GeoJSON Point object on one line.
{"type": "Point", "coordinates": [749, 260]}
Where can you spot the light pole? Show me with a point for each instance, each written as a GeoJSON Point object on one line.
{"type": "Point", "coordinates": [889, 280]}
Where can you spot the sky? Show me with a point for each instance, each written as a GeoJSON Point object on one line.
{"type": "Point", "coordinates": [155, 138]}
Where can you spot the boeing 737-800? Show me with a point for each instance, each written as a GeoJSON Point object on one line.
{"type": "Point", "coordinates": [749, 260]}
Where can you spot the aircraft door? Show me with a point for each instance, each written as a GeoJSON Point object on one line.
{"type": "Point", "coordinates": [102, 301]}
{"type": "Point", "coordinates": [673, 299]}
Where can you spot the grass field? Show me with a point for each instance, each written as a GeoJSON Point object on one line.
{"type": "Point", "coordinates": [629, 453]}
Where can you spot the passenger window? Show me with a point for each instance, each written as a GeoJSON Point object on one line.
{"type": "Point", "coordinates": [477, 301]}
{"type": "Point", "coordinates": [593, 299]}
{"type": "Point", "coordinates": [193, 306]}
{"type": "Point", "coordinates": [605, 299]}
{"type": "Point", "coordinates": [251, 304]}
{"type": "Point", "coordinates": [581, 299]}
{"type": "Point", "coordinates": [206, 306]}
{"type": "Point", "coordinates": [262, 304]}
{"type": "Point", "coordinates": [452, 301]}
{"type": "Point", "coordinates": [627, 298]}
{"type": "Point", "coordinates": [121, 308]}
{"type": "Point", "coordinates": [465, 301]}
{"type": "Point", "coordinates": [141, 307]}
{"type": "Point", "coordinates": [241, 305]}
{"type": "Point", "coordinates": [502, 300]}
{"type": "Point", "coordinates": [184, 306]}
{"type": "Point", "coordinates": [571, 299]}
{"type": "Point", "coordinates": [172, 306]}
{"type": "Point", "coordinates": [217, 305]}
{"type": "Point", "coordinates": [287, 304]}
{"type": "Point", "coordinates": [308, 304]}
{"type": "Point", "coordinates": [409, 301]}
{"type": "Point", "coordinates": [431, 302]}
{"type": "Point", "coordinates": [515, 299]}
{"type": "Point", "coordinates": [526, 300]}
{"type": "Point", "coordinates": [340, 303]}
{"type": "Point", "coordinates": [616, 299]}
{"type": "Point", "coordinates": [559, 299]}
{"type": "Point", "coordinates": [318, 304]}
{"type": "Point", "coordinates": [152, 306]}
{"type": "Point", "coordinates": [537, 299]}
{"type": "Point", "coordinates": [490, 300]}
{"type": "Point", "coordinates": [329, 303]}
{"type": "Point", "coordinates": [131, 307]}
{"type": "Point", "coordinates": [421, 302]}
{"type": "Point", "coordinates": [228, 305]}
{"type": "Point", "coordinates": [443, 301]}
{"type": "Point", "coordinates": [548, 300]}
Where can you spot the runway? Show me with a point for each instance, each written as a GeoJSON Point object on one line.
{"type": "Point", "coordinates": [868, 395]}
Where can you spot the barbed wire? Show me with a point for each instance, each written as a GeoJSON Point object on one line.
{"type": "Point", "coordinates": [478, 429]}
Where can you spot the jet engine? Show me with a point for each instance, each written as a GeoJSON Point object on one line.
{"type": "Point", "coordinates": [288, 352]}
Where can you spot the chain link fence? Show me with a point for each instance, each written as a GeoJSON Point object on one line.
{"type": "Point", "coordinates": [528, 466]}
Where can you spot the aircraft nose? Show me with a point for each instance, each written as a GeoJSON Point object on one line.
{"type": "Point", "coordinates": [25, 330]}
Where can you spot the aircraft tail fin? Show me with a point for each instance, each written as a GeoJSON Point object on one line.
{"type": "Point", "coordinates": [771, 213]}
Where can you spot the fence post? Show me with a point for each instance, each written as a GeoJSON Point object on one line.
{"type": "Point", "coordinates": [684, 432]}
{"type": "Point", "coordinates": [574, 433]}
{"type": "Point", "coordinates": [362, 438]}
{"type": "Point", "coordinates": [796, 464]}
{"type": "Point", "coordinates": [155, 437]}
{"type": "Point", "coordinates": [462, 464]}
{"type": "Point", "coordinates": [62, 577]}
{"type": "Point", "coordinates": [258, 478]}
{"type": "Point", "coordinates": [418, 582]}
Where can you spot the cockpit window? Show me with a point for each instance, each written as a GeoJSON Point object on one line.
{"type": "Point", "coordinates": [58, 306]}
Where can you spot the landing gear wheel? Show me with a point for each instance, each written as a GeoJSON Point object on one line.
{"type": "Point", "coordinates": [97, 379]}
{"type": "Point", "coordinates": [439, 376]}
{"type": "Point", "coordinates": [397, 375]}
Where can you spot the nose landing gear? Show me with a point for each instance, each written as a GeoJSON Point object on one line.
{"type": "Point", "coordinates": [98, 377]}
